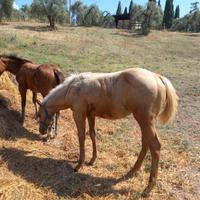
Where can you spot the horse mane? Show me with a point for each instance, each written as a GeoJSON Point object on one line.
{"type": "Point", "coordinates": [14, 57]}
{"type": "Point", "coordinates": [66, 83]}
{"type": "Point", "coordinates": [72, 78]}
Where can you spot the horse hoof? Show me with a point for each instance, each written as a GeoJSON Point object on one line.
{"type": "Point", "coordinates": [146, 192]}
{"type": "Point", "coordinates": [148, 189]}
{"type": "Point", "coordinates": [89, 163]}
{"type": "Point", "coordinates": [76, 170]}
{"type": "Point", "coordinates": [131, 174]}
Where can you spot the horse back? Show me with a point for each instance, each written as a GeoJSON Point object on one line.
{"type": "Point", "coordinates": [115, 95]}
{"type": "Point", "coordinates": [39, 78]}
{"type": "Point", "coordinates": [46, 77]}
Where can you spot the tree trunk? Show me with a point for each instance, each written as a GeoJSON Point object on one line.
{"type": "Point", "coordinates": [52, 21]}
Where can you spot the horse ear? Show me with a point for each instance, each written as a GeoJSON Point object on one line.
{"type": "Point", "coordinates": [39, 102]}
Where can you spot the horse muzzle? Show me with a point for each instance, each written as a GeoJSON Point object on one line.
{"type": "Point", "coordinates": [43, 129]}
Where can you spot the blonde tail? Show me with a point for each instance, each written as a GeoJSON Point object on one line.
{"type": "Point", "coordinates": [171, 102]}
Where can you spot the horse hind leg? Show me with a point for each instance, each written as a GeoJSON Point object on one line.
{"type": "Point", "coordinates": [147, 137]}
{"type": "Point", "coordinates": [155, 154]}
{"type": "Point", "coordinates": [149, 141]}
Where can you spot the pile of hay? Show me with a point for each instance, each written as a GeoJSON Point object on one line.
{"type": "Point", "coordinates": [10, 108]}
{"type": "Point", "coordinates": [6, 99]}
{"type": "Point", "coordinates": [7, 84]}
{"type": "Point", "coordinates": [9, 97]}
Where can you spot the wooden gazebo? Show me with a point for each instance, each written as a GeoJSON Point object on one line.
{"type": "Point", "coordinates": [122, 17]}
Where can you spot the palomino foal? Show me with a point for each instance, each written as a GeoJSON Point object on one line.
{"type": "Point", "coordinates": [136, 91]}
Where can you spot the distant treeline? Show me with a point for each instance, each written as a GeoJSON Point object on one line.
{"type": "Point", "coordinates": [151, 16]}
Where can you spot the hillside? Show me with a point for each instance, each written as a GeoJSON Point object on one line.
{"type": "Point", "coordinates": [32, 169]}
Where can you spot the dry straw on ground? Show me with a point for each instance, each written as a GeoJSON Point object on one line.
{"type": "Point", "coordinates": [32, 169]}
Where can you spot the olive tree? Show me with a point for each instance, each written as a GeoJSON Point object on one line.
{"type": "Point", "coordinates": [52, 9]}
{"type": "Point", "coordinates": [6, 7]}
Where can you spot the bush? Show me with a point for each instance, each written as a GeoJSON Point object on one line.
{"type": "Point", "coordinates": [190, 23]}
{"type": "Point", "coordinates": [93, 16]}
{"type": "Point", "coordinates": [156, 17]}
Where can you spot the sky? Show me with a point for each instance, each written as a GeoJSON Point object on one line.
{"type": "Point", "coordinates": [111, 5]}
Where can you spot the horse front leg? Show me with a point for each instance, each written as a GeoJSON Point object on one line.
{"type": "Point", "coordinates": [23, 103]}
{"type": "Point", "coordinates": [79, 119]}
{"type": "Point", "coordinates": [34, 99]}
{"type": "Point", "coordinates": [91, 122]}
{"type": "Point", "coordinates": [56, 123]}
{"type": "Point", "coordinates": [53, 129]}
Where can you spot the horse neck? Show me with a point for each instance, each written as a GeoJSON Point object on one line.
{"type": "Point", "coordinates": [57, 102]}
{"type": "Point", "coordinates": [13, 66]}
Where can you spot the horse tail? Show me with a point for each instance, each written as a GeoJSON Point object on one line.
{"type": "Point", "coordinates": [59, 76]}
{"type": "Point", "coordinates": [171, 103]}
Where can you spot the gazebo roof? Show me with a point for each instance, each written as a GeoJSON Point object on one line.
{"type": "Point", "coordinates": [122, 17]}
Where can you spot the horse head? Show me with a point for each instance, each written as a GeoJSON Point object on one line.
{"type": "Point", "coordinates": [45, 119]}
{"type": "Point", "coordinates": [11, 63]}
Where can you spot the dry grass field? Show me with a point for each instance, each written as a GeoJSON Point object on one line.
{"type": "Point", "coordinates": [33, 169]}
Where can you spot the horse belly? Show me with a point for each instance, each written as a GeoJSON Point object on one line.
{"type": "Point", "coordinates": [113, 114]}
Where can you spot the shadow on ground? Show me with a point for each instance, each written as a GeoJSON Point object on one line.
{"type": "Point", "coordinates": [34, 28]}
{"type": "Point", "coordinates": [128, 34]}
{"type": "Point", "coordinates": [192, 35]}
{"type": "Point", "coordinates": [11, 129]}
{"type": "Point", "coordinates": [58, 175]}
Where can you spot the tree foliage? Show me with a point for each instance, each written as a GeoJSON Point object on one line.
{"type": "Point", "coordinates": [159, 4]}
{"type": "Point", "coordinates": [93, 16]}
{"type": "Point", "coordinates": [168, 14]}
{"type": "Point", "coordinates": [52, 9]}
{"type": "Point", "coordinates": [156, 16]}
{"type": "Point", "coordinates": [119, 9]}
{"type": "Point", "coordinates": [125, 11]}
{"type": "Point", "coordinates": [146, 24]}
{"type": "Point", "coordinates": [194, 7]}
{"type": "Point", "coordinates": [188, 23]}
{"type": "Point", "coordinates": [131, 6]}
{"type": "Point", "coordinates": [88, 15]}
{"type": "Point", "coordinates": [6, 7]}
{"type": "Point", "coordinates": [137, 14]}
{"type": "Point", "coordinates": [177, 12]}
{"type": "Point", "coordinates": [78, 12]}
{"type": "Point", "coordinates": [25, 11]}
{"type": "Point", "coordinates": [152, 17]}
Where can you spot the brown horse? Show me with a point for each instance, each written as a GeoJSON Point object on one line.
{"type": "Point", "coordinates": [135, 91]}
{"type": "Point", "coordinates": [37, 78]}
